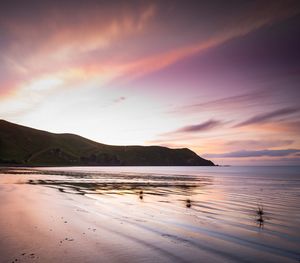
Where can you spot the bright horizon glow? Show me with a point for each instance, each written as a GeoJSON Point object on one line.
{"type": "Point", "coordinates": [158, 73]}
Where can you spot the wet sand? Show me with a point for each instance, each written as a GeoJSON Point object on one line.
{"type": "Point", "coordinates": [49, 216]}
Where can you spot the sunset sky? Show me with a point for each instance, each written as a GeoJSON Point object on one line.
{"type": "Point", "coordinates": [219, 77]}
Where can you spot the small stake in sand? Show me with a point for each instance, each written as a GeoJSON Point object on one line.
{"type": "Point", "coordinates": [188, 203]}
{"type": "Point", "coordinates": [141, 194]}
{"type": "Point", "coordinates": [260, 213]}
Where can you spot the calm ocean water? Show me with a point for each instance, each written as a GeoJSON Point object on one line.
{"type": "Point", "coordinates": [236, 214]}
{"type": "Point", "coordinates": [224, 216]}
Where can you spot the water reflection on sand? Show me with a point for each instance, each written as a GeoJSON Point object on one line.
{"type": "Point", "coordinates": [234, 215]}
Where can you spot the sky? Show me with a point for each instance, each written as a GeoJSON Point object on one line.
{"type": "Point", "coordinates": [219, 77]}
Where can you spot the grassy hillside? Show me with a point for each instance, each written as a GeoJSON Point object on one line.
{"type": "Point", "coordinates": [20, 145]}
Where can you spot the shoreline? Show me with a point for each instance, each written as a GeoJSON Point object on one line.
{"type": "Point", "coordinates": [103, 217]}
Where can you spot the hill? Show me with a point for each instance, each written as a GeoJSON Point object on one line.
{"type": "Point", "coordinates": [20, 145]}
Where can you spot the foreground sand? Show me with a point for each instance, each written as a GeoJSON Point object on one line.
{"type": "Point", "coordinates": [39, 223]}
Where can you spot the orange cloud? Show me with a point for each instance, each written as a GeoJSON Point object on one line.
{"type": "Point", "coordinates": [60, 42]}
{"type": "Point", "coordinates": [59, 38]}
{"type": "Point", "coordinates": [63, 45]}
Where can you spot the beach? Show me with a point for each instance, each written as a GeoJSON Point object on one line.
{"type": "Point", "coordinates": [98, 215]}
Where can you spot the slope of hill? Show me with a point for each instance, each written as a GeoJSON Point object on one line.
{"type": "Point", "coordinates": [20, 145]}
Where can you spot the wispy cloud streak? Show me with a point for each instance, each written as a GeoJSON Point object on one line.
{"type": "Point", "coordinates": [257, 144]}
{"type": "Point", "coordinates": [208, 125]}
{"type": "Point", "coordinates": [196, 128]}
{"type": "Point", "coordinates": [232, 102]}
{"type": "Point", "coordinates": [261, 153]}
{"type": "Point", "coordinates": [266, 117]}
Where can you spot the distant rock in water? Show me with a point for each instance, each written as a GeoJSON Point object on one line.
{"type": "Point", "coordinates": [20, 145]}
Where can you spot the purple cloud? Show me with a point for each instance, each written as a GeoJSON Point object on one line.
{"type": "Point", "coordinates": [233, 101]}
{"type": "Point", "coordinates": [237, 101]}
{"type": "Point", "coordinates": [208, 125]}
{"type": "Point", "coordinates": [262, 153]}
{"type": "Point", "coordinates": [265, 117]}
